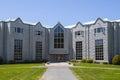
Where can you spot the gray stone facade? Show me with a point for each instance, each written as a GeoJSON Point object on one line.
{"type": "Point", "coordinates": [87, 35]}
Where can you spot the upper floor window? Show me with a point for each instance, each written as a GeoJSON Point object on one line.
{"type": "Point", "coordinates": [99, 30]}
{"type": "Point", "coordinates": [58, 37]}
{"type": "Point", "coordinates": [39, 32]}
{"type": "Point", "coordinates": [78, 33]}
{"type": "Point", "coordinates": [18, 30]}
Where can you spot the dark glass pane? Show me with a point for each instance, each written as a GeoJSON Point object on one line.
{"type": "Point", "coordinates": [59, 40]}
{"type": "Point", "coordinates": [17, 49]}
{"type": "Point", "coordinates": [62, 45]}
{"type": "Point", "coordinates": [58, 37]}
{"type": "Point", "coordinates": [18, 30]}
{"type": "Point", "coordinates": [56, 30]}
{"type": "Point", "coordinates": [55, 45]}
{"type": "Point", "coordinates": [55, 40]}
{"type": "Point", "coordinates": [94, 30]}
{"type": "Point", "coordinates": [59, 34]}
{"type": "Point", "coordinates": [62, 34]}
{"type": "Point", "coordinates": [79, 50]}
{"type": "Point", "coordinates": [59, 46]}
{"type": "Point", "coordinates": [62, 40]}
{"type": "Point", "coordinates": [38, 50]}
{"type": "Point", "coordinates": [55, 35]}
{"type": "Point", "coordinates": [78, 32]}
{"type": "Point", "coordinates": [99, 49]}
{"type": "Point", "coordinates": [98, 30]}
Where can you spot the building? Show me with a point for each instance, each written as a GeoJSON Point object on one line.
{"type": "Point", "coordinates": [99, 40]}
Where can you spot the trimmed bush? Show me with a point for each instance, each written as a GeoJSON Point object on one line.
{"type": "Point", "coordinates": [116, 60]}
{"type": "Point", "coordinates": [104, 62]}
{"type": "Point", "coordinates": [35, 61]}
{"type": "Point", "coordinates": [83, 61]}
{"type": "Point", "coordinates": [27, 61]}
{"type": "Point", "coordinates": [73, 60]}
{"type": "Point", "coordinates": [89, 61]}
{"type": "Point", "coordinates": [44, 60]}
{"type": "Point", "coordinates": [11, 62]}
{"type": "Point", "coordinates": [1, 60]}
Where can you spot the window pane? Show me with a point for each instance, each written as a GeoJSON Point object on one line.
{"type": "Point", "coordinates": [38, 50]}
{"type": "Point", "coordinates": [58, 37]}
{"type": "Point", "coordinates": [18, 49]}
{"type": "Point", "coordinates": [78, 33]}
{"type": "Point", "coordinates": [99, 49]}
{"type": "Point", "coordinates": [79, 50]}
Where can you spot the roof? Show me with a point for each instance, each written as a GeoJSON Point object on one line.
{"type": "Point", "coordinates": [68, 26]}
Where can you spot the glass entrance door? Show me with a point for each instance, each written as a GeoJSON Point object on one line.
{"type": "Point", "coordinates": [60, 57]}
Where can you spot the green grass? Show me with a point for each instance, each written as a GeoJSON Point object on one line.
{"type": "Point", "coordinates": [97, 72]}
{"type": "Point", "coordinates": [21, 72]}
{"type": "Point", "coordinates": [97, 65]}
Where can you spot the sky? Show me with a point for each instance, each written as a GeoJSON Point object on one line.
{"type": "Point", "coordinates": [67, 12]}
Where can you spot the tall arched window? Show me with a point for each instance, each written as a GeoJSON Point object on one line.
{"type": "Point", "coordinates": [58, 37]}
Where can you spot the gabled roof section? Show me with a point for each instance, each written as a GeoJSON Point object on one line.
{"type": "Point", "coordinates": [18, 20]}
{"type": "Point", "coordinates": [39, 25]}
{"type": "Point", "coordinates": [94, 22]}
{"type": "Point", "coordinates": [99, 19]}
{"type": "Point", "coordinates": [78, 23]}
{"type": "Point", "coordinates": [58, 24]}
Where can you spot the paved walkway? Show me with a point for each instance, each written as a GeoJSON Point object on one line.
{"type": "Point", "coordinates": [58, 71]}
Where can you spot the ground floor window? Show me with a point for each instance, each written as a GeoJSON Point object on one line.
{"type": "Point", "coordinates": [38, 50]}
{"type": "Point", "coordinates": [99, 49]}
{"type": "Point", "coordinates": [79, 50]}
{"type": "Point", "coordinates": [18, 49]}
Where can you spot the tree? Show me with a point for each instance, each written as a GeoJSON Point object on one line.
{"type": "Point", "coordinates": [116, 60]}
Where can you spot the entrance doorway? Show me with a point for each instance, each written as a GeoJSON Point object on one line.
{"type": "Point", "coordinates": [59, 57]}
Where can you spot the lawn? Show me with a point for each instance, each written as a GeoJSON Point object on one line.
{"type": "Point", "coordinates": [96, 72]}
{"type": "Point", "coordinates": [97, 65]}
{"type": "Point", "coordinates": [21, 71]}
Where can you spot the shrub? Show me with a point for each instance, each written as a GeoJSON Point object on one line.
{"type": "Point", "coordinates": [27, 61]}
{"type": "Point", "coordinates": [104, 62]}
{"type": "Point", "coordinates": [44, 60]}
{"type": "Point", "coordinates": [89, 61]}
{"type": "Point", "coordinates": [83, 60]}
{"type": "Point", "coordinates": [73, 60]}
{"type": "Point", "coordinates": [1, 60]}
{"type": "Point", "coordinates": [116, 60]}
{"type": "Point", "coordinates": [11, 62]}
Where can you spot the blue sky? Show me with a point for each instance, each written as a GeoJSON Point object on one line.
{"type": "Point", "coordinates": [68, 12]}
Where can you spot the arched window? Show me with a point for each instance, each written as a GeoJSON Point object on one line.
{"type": "Point", "coordinates": [58, 37]}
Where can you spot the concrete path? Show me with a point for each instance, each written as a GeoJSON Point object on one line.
{"type": "Point", "coordinates": [58, 71]}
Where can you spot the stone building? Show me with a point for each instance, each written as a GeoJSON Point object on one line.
{"type": "Point", "coordinates": [99, 40]}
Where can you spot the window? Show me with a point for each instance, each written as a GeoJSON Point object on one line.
{"type": "Point", "coordinates": [38, 32]}
{"type": "Point", "coordinates": [78, 33]}
{"type": "Point", "coordinates": [18, 49]}
{"type": "Point", "coordinates": [58, 37]}
{"type": "Point", "coordinates": [99, 30]}
{"type": "Point", "coordinates": [18, 30]}
{"type": "Point", "coordinates": [38, 50]}
{"type": "Point", "coordinates": [79, 50]}
{"type": "Point", "coordinates": [95, 30]}
{"type": "Point", "coordinates": [99, 49]}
